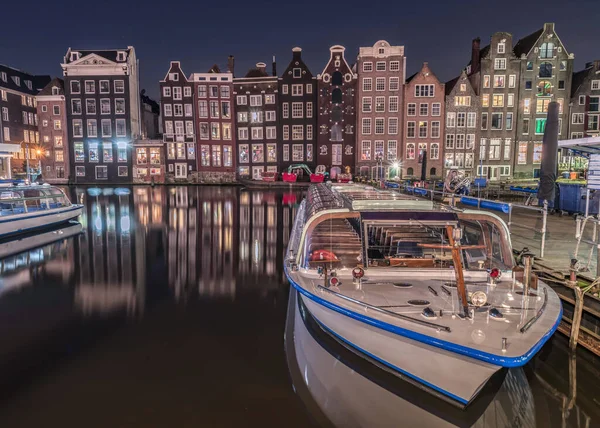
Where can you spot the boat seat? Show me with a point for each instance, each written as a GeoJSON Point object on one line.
{"type": "Point", "coordinates": [409, 248]}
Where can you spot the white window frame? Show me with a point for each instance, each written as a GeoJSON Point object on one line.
{"type": "Point", "coordinates": [297, 90]}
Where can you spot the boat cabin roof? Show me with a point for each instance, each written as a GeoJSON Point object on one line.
{"type": "Point", "coordinates": [360, 198]}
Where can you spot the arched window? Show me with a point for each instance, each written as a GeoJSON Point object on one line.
{"type": "Point", "coordinates": [337, 79]}
{"type": "Point", "coordinates": [410, 171]}
{"type": "Point", "coordinates": [544, 88]}
{"type": "Point", "coordinates": [336, 113]}
{"type": "Point", "coordinates": [336, 133]}
{"type": "Point", "coordinates": [336, 96]}
{"type": "Point", "coordinates": [547, 50]}
{"type": "Point", "coordinates": [410, 151]}
{"type": "Point", "coordinates": [432, 172]}
{"type": "Point", "coordinates": [545, 69]}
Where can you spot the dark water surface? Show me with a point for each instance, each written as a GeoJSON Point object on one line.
{"type": "Point", "coordinates": [169, 310]}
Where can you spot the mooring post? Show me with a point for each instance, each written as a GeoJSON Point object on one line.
{"type": "Point", "coordinates": [576, 317]}
{"type": "Point", "coordinates": [544, 225]}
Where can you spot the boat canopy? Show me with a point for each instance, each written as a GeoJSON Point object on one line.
{"type": "Point", "coordinates": [27, 199]}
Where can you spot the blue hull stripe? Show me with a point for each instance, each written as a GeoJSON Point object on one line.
{"type": "Point", "coordinates": [42, 226]}
{"type": "Point", "coordinates": [398, 369]}
{"type": "Point", "coordinates": [428, 340]}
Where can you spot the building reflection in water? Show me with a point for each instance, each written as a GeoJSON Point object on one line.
{"type": "Point", "coordinates": [143, 243]}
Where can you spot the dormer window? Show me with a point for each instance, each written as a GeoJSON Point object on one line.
{"type": "Point", "coordinates": [17, 80]}
{"type": "Point", "coordinates": [74, 56]}
{"type": "Point", "coordinates": [120, 56]}
{"type": "Point", "coordinates": [28, 84]}
{"type": "Point", "coordinates": [3, 76]}
{"type": "Point", "coordinates": [55, 90]}
{"type": "Point", "coordinates": [381, 51]}
{"type": "Point", "coordinates": [501, 47]}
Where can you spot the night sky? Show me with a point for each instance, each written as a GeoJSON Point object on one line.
{"type": "Point", "coordinates": [35, 35]}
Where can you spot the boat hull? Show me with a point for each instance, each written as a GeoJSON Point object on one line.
{"type": "Point", "coordinates": [455, 376]}
{"type": "Point", "coordinates": [29, 222]}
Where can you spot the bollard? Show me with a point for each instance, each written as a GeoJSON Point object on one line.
{"type": "Point", "coordinates": [576, 316]}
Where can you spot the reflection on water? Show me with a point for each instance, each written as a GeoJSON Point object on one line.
{"type": "Point", "coordinates": [174, 299]}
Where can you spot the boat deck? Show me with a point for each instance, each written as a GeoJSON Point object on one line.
{"type": "Point", "coordinates": [400, 304]}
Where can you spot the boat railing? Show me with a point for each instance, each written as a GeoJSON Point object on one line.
{"type": "Point", "coordinates": [539, 313]}
{"type": "Point", "coordinates": [435, 326]}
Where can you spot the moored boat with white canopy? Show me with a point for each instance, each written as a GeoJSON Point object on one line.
{"type": "Point", "coordinates": [429, 291]}
{"type": "Point", "coordinates": [29, 208]}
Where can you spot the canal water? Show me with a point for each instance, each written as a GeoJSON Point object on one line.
{"type": "Point", "coordinates": [171, 309]}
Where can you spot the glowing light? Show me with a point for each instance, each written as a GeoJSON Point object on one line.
{"type": "Point", "coordinates": [98, 224]}
{"type": "Point", "coordinates": [125, 224]}
{"type": "Point", "coordinates": [396, 165]}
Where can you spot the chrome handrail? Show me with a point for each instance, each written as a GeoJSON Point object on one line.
{"type": "Point", "coordinates": [390, 313]}
{"type": "Point", "coordinates": [532, 321]}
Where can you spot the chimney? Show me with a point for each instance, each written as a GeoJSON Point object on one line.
{"type": "Point", "coordinates": [548, 26]}
{"type": "Point", "coordinates": [274, 66]}
{"type": "Point", "coordinates": [475, 60]}
{"type": "Point", "coordinates": [230, 63]}
{"type": "Point", "coordinates": [297, 54]}
{"type": "Point", "coordinates": [261, 66]}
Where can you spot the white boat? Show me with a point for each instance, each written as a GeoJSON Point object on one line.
{"type": "Point", "coordinates": [339, 389]}
{"type": "Point", "coordinates": [29, 208]}
{"type": "Point", "coordinates": [426, 290]}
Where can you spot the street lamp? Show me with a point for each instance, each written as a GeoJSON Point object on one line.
{"type": "Point", "coordinates": [379, 159]}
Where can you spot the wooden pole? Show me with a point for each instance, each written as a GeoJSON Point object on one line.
{"type": "Point", "coordinates": [458, 271]}
{"type": "Point", "coordinates": [576, 316]}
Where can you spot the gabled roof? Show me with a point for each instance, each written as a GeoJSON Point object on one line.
{"type": "Point", "coordinates": [525, 44]}
{"type": "Point", "coordinates": [109, 54]}
{"type": "Point", "coordinates": [56, 82]}
{"type": "Point", "coordinates": [214, 69]}
{"type": "Point", "coordinates": [450, 84]}
{"type": "Point", "coordinates": [408, 79]}
{"type": "Point", "coordinates": [37, 82]}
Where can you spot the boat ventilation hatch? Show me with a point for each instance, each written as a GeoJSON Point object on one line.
{"type": "Point", "coordinates": [417, 302]}
{"type": "Point", "coordinates": [402, 285]}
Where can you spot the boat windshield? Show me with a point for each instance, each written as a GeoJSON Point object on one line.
{"type": "Point", "coordinates": [341, 240]}
{"type": "Point", "coordinates": [413, 244]}
{"type": "Point", "coordinates": [334, 242]}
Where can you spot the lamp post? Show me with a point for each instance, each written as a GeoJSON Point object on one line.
{"type": "Point", "coordinates": [379, 159]}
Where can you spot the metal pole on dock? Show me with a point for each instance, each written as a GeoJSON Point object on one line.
{"type": "Point", "coordinates": [587, 201]}
{"type": "Point", "coordinates": [544, 222]}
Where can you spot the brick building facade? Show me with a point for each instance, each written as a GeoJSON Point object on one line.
{"type": "Point", "coordinates": [381, 73]}
{"type": "Point", "coordinates": [337, 113]}
{"type": "Point", "coordinates": [18, 118]}
{"type": "Point", "coordinates": [103, 113]}
{"type": "Point", "coordinates": [424, 103]}
{"type": "Point", "coordinates": [584, 119]}
{"type": "Point", "coordinates": [256, 122]}
{"type": "Point", "coordinates": [179, 136]}
{"type": "Point", "coordinates": [215, 125]}
{"type": "Point", "coordinates": [546, 73]}
{"type": "Point", "coordinates": [461, 130]}
{"type": "Point", "coordinates": [298, 120]}
{"type": "Point", "coordinates": [52, 122]}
